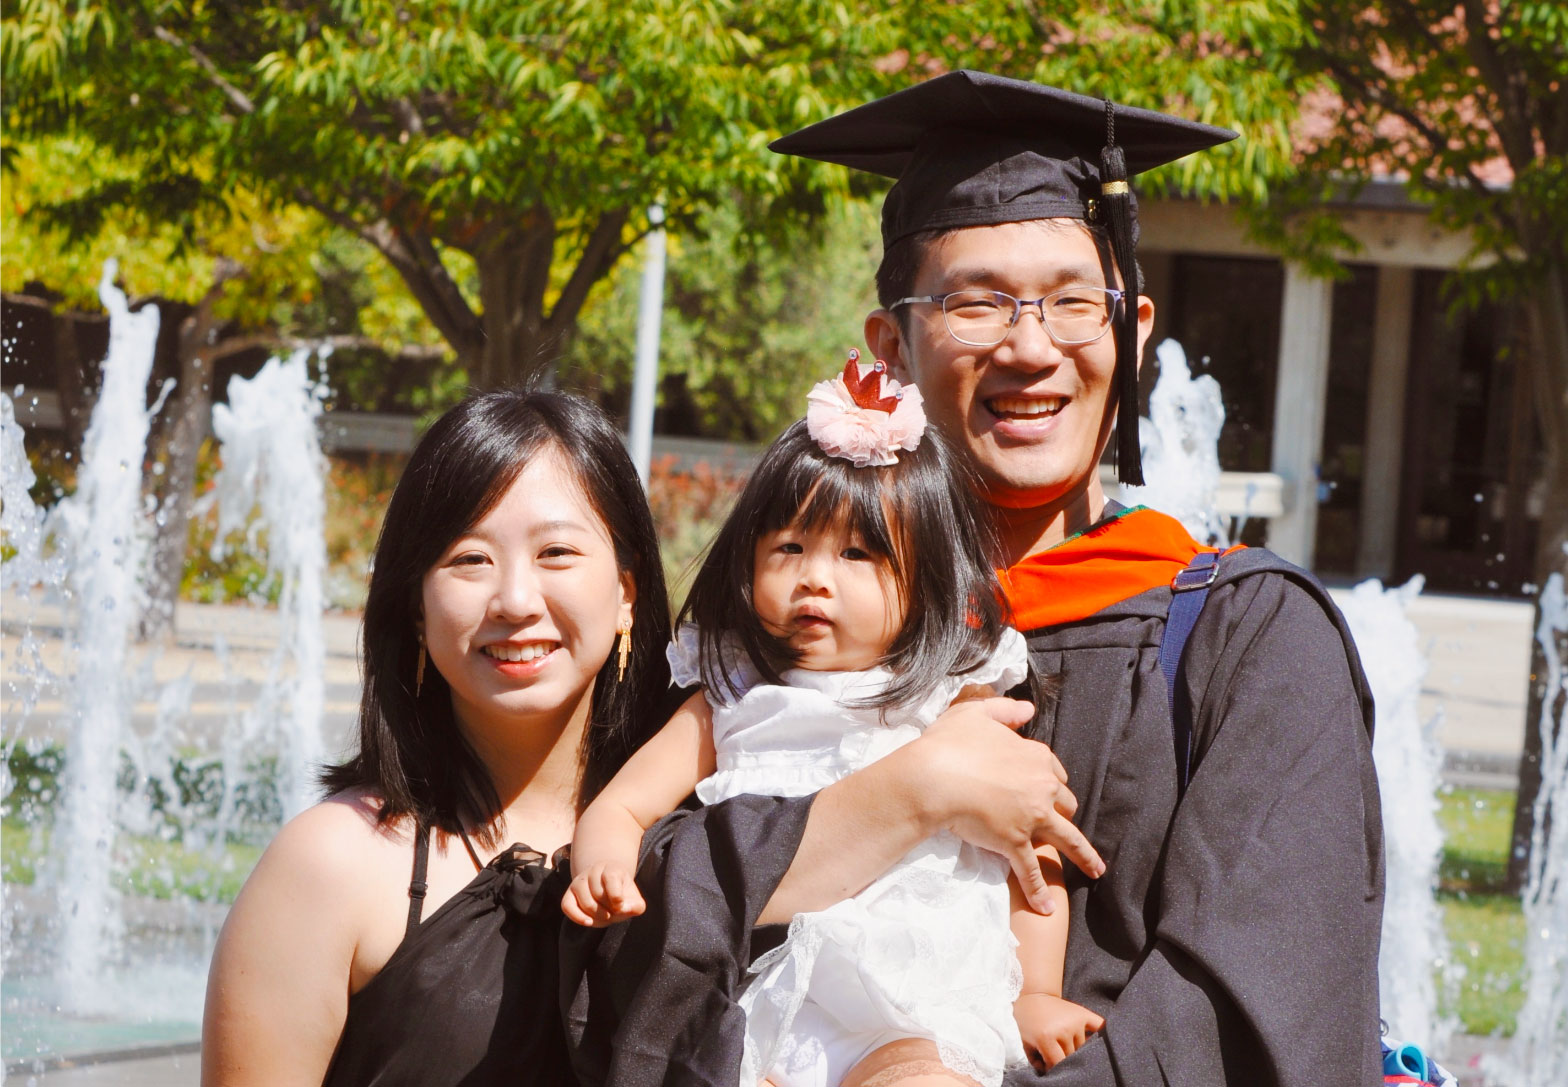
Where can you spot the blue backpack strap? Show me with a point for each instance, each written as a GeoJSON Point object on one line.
{"type": "Point", "coordinates": [1189, 590]}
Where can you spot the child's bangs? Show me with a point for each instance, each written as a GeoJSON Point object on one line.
{"type": "Point", "coordinates": [835, 496]}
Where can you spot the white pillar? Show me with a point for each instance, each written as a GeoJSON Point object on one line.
{"type": "Point", "coordinates": [1385, 434]}
{"type": "Point", "coordinates": [1299, 409]}
{"type": "Point", "coordinates": [645, 378]}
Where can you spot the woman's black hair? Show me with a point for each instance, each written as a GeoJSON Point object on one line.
{"type": "Point", "coordinates": [921, 517]}
{"type": "Point", "coordinates": [411, 753]}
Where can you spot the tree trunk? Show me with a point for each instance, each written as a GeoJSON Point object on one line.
{"type": "Point", "coordinates": [514, 274]}
{"type": "Point", "coordinates": [511, 320]}
{"type": "Point", "coordinates": [522, 340]}
{"type": "Point", "coordinates": [76, 389]}
{"type": "Point", "coordinates": [176, 494]}
{"type": "Point", "coordinates": [1549, 367]}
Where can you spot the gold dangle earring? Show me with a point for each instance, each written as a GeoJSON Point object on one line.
{"type": "Point", "coordinates": [419, 669]}
{"type": "Point", "coordinates": [623, 650]}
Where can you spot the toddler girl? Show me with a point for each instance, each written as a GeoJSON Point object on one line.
{"type": "Point", "coordinates": [849, 600]}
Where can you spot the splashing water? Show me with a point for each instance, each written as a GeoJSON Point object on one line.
{"type": "Point", "coordinates": [33, 563]}
{"type": "Point", "coordinates": [1182, 470]}
{"type": "Point", "coordinates": [1539, 1053]}
{"type": "Point", "coordinates": [21, 522]}
{"type": "Point", "coordinates": [1409, 768]}
{"type": "Point", "coordinates": [85, 960]}
{"type": "Point", "coordinates": [1181, 464]}
{"type": "Point", "coordinates": [272, 463]}
{"type": "Point", "coordinates": [103, 527]}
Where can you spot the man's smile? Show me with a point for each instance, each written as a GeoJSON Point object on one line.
{"type": "Point", "coordinates": [1025, 407]}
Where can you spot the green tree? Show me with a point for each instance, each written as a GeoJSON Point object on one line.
{"type": "Point", "coordinates": [1470, 102]}
{"type": "Point", "coordinates": [1224, 62]}
{"type": "Point", "coordinates": [500, 155]}
{"type": "Point", "coordinates": [748, 327]}
{"type": "Point", "coordinates": [1452, 94]}
{"type": "Point", "coordinates": [227, 272]}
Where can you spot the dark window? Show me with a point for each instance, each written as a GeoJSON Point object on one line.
{"type": "Point", "coordinates": [1342, 466]}
{"type": "Point", "coordinates": [1471, 453]}
{"type": "Point", "coordinates": [1226, 313]}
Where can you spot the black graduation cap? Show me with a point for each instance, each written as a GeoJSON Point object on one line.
{"type": "Point", "coordinates": [974, 149]}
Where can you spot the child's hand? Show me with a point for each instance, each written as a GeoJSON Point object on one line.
{"type": "Point", "coordinates": [602, 895]}
{"type": "Point", "coordinates": [1052, 1027]}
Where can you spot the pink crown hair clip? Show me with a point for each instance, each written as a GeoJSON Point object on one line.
{"type": "Point", "coordinates": [865, 417]}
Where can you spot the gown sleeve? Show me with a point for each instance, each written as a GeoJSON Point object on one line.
{"type": "Point", "coordinates": [653, 1001]}
{"type": "Point", "coordinates": [1263, 966]}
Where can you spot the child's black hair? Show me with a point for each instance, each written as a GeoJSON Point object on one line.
{"type": "Point", "coordinates": [921, 517]}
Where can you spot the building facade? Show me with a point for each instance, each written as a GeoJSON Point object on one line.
{"type": "Point", "coordinates": [1399, 429]}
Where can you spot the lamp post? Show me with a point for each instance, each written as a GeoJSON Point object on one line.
{"type": "Point", "coordinates": [645, 376]}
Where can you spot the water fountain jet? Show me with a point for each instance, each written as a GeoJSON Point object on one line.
{"type": "Point", "coordinates": [86, 963]}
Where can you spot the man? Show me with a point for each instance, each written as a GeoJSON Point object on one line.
{"type": "Point", "coordinates": [1231, 934]}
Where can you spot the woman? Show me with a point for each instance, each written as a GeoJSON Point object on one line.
{"type": "Point", "coordinates": [517, 552]}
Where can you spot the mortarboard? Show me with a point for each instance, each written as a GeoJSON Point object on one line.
{"type": "Point", "coordinates": [974, 149]}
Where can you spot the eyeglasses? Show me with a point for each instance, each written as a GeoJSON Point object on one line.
{"type": "Point", "coordinates": [978, 318]}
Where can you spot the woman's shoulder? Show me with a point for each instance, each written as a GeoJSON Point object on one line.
{"type": "Point", "coordinates": [339, 843]}
{"type": "Point", "coordinates": [315, 919]}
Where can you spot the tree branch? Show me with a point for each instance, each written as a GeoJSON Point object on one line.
{"type": "Point", "coordinates": [536, 256]}
{"type": "Point", "coordinates": [1518, 145]}
{"type": "Point", "coordinates": [1378, 97]}
{"type": "Point", "coordinates": [199, 325]}
{"type": "Point", "coordinates": [408, 116]}
{"type": "Point", "coordinates": [603, 249]}
{"type": "Point", "coordinates": [436, 283]}
{"type": "Point", "coordinates": [235, 345]}
{"type": "Point", "coordinates": [1043, 30]}
{"type": "Point", "coordinates": [415, 260]}
{"type": "Point", "coordinates": [1417, 23]}
{"type": "Point", "coordinates": [236, 96]}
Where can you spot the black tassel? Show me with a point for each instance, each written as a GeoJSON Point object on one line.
{"type": "Point", "coordinates": [1116, 202]}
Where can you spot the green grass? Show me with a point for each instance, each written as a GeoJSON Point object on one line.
{"type": "Point", "coordinates": [153, 868]}
{"type": "Point", "coordinates": [19, 853]}
{"type": "Point", "coordinates": [169, 870]}
{"type": "Point", "coordinates": [1485, 925]}
{"type": "Point", "coordinates": [1477, 825]}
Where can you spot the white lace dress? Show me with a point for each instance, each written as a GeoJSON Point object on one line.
{"type": "Point", "coordinates": [925, 951]}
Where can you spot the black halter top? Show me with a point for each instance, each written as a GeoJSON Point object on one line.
{"type": "Point", "coordinates": [470, 996]}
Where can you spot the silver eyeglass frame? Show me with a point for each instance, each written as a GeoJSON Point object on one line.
{"type": "Point", "coordinates": [1116, 295]}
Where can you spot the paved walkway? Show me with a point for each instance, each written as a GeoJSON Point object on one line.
{"type": "Point", "coordinates": [227, 652]}
{"type": "Point", "coordinates": [183, 1068]}
{"type": "Point", "coordinates": [1477, 651]}
{"type": "Point", "coordinates": [1478, 673]}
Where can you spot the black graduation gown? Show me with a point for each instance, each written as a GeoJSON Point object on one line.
{"type": "Point", "coordinates": [653, 1000]}
{"type": "Point", "coordinates": [1233, 938]}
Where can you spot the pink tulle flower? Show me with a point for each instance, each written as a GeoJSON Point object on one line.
{"type": "Point", "coordinates": [868, 421]}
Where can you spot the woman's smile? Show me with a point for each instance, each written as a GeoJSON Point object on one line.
{"type": "Point", "coordinates": [514, 613]}
{"type": "Point", "coordinates": [521, 658]}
